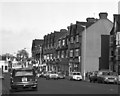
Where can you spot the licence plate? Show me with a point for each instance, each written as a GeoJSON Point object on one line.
{"type": "Point", "coordinates": [24, 79]}
{"type": "Point", "coordinates": [111, 80]}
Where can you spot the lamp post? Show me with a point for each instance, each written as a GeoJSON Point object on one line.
{"type": "Point", "coordinates": [84, 57]}
{"type": "Point", "coordinates": [40, 54]}
{"type": "Point", "coordinates": [40, 49]}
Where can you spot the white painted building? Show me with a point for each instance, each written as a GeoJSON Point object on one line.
{"type": "Point", "coordinates": [95, 55]}
{"type": "Point", "coordinates": [4, 66]}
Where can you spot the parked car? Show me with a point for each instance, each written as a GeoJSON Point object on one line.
{"type": "Point", "coordinates": [47, 75]}
{"type": "Point", "coordinates": [44, 74]}
{"type": "Point", "coordinates": [106, 77]}
{"type": "Point", "coordinates": [23, 78]}
{"type": "Point", "coordinates": [93, 76]}
{"type": "Point", "coordinates": [39, 74]}
{"type": "Point", "coordinates": [52, 75]}
{"type": "Point", "coordinates": [75, 76]}
{"type": "Point", "coordinates": [111, 77]}
{"type": "Point", "coordinates": [61, 75]}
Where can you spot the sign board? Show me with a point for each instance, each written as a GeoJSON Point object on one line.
{"type": "Point", "coordinates": [4, 66]}
{"type": "Point", "coordinates": [16, 65]}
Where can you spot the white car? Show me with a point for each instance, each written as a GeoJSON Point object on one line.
{"type": "Point", "coordinates": [75, 76]}
{"type": "Point", "coordinates": [52, 75]}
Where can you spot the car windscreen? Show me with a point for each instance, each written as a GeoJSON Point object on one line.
{"type": "Point", "coordinates": [24, 73]}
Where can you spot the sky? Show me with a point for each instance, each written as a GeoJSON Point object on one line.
{"type": "Point", "coordinates": [22, 21]}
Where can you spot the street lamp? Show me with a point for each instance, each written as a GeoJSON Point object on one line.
{"type": "Point", "coordinates": [84, 56]}
{"type": "Point", "coordinates": [40, 54]}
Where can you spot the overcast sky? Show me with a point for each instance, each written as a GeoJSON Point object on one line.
{"type": "Point", "coordinates": [21, 21]}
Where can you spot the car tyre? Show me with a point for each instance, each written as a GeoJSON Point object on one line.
{"type": "Point", "coordinates": [90, 80]}
{"type": "Point", "coordinates": [35, 89]}
{"type": "Point", "coordinates": [98, 81]}
{"type": "Point", "coordinates": [12, 90]}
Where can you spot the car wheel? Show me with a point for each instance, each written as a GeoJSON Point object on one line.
{"type": "Point", "coordinates": [93, 81]}
{"type": "Point", "coordinates": [70, 79]}
{"type": "Point", "coordinates": [46, 78]}
{"type": "Point", "coordinates": [80, 80]}
{"type": "Point", "coordinates": [12, 90]}
{"type": "Point", "coordinates": [90, 80]}
{"type": "Point", "coordinates": [103, 81]}
{"type": "Point", "coordinates": [34, 88]}
{"type": "Point", "coordinates": [98, 81]}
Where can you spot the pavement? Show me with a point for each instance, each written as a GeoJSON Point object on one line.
{"type": "Point", "coordinates": [4, 84]}
{"type": "Point", "coordinates": [0, 87]}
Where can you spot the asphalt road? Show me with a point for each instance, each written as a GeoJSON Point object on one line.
{"type": "Point", "coordinates": [65, 86]}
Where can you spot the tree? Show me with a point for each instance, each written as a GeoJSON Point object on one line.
{"type": "Point", "coordinates": [7, 56]}
{"type": "Point", "coordinates": [22, 55]}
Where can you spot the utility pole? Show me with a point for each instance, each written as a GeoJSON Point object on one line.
{"type": "Point", "coordinates": [84, 57]}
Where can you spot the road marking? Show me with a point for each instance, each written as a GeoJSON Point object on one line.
{"type": "Point", "coordinates": [98, 87]}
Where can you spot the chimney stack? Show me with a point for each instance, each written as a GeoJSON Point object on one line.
{"type": "Point", "coordinates": [103, 15]}
{"type": "Point", "coordinates": [91, 19]}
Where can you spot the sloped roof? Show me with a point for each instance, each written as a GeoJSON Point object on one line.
{"type": "Point", "coordinates": [108, 25]}
{"type": "Point", "coordinates": [61, 34]}
{"type": "Point", "coordinates": [87, 24]}
{"type": "Point", "coordinates": [105, 24]}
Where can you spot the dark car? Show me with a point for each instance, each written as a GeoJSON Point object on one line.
{"type": "Point", "coordinates": [93, 76]}
{"type": "Point", "coordinates": [23, 78]}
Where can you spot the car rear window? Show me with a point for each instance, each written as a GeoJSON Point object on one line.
{"type": "Point", "coordinates": [24, 73]}
{"type": "Point", "coordinates": [113, 73]}
{"type": "Point", "coordinates": [105, 73]}
{"type": "Point", "coordinates": [76, 73]}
